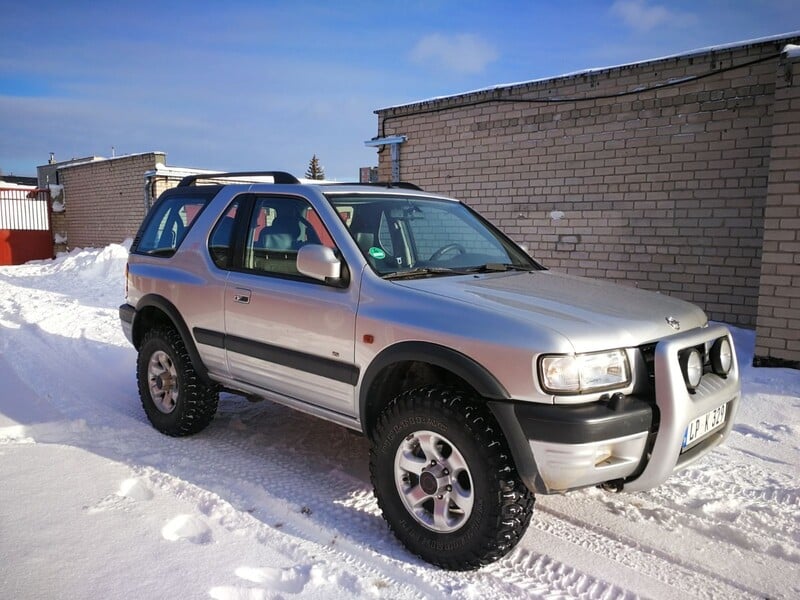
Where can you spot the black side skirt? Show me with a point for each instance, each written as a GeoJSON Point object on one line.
{"type": "Point", "coordinates": [294, 359]}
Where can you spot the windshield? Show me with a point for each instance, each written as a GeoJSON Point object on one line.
{"type": "Point", "coordinates": [404, 236]}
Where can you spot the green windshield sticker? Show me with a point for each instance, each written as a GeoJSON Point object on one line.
{"type": "Point", "coordinates": [377, 253]}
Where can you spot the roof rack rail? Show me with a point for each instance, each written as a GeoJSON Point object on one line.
{"type": "Point", "coordinates": [277, 176]}
{"type": "Point", "coordinates": [406, 185]}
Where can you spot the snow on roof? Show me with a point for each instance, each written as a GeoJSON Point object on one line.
{"type": "Point", "coordinates": [93, 159]}
{"type": "Point", "coordinates": [73, 161]}
{"type": "Point", "coordinates": [317, 181]}
{"type": "Point", "coordinates": [163, 170]}
{"type": "Point", "coordinates": [717, 48]}
{"type": "Point", "coordinates": [7, 185]}
{"type": "Point", "coordinates": [791, 51]}
{"type": "Point", "coordinates": [133, 154]}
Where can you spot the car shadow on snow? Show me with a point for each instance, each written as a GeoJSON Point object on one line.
{"type": "Point", "coordinates": [299, 474]}
{"type": "Point", "coordinates": [294, 472]}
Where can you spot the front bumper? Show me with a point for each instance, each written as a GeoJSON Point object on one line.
{"type": "Point", "coordinates": [627, 440]}
{"type": "Point", "coordinates": [126, 315]}
{"type": "Point", "coordinates": [678, 407]}
{"type": "Point", "coordinates": [577, 446]}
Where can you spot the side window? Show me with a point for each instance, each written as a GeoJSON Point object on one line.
{"type": "Point", "coordinates": [316, 225]}
{"type": "Point", "coordinates": [220, 242]}
{"type": "Point", "coordinates": [168, 224]}
{"type": "Point", "coordinates": [278, 228]}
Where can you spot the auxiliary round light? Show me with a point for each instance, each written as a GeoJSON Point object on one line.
{"type": "Point", "coordinates": [721, 356]}
{"type": "Point", "coordinates": [692, 367]}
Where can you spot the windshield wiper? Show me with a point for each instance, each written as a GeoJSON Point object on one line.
{"type": "Point", "coordinates": [499, 268]}
{"type": "Point", "coordinates": [423, 272]}
{"type": "Point", "coordinates": [429, 271]}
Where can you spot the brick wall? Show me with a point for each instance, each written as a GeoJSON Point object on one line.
{"type": "Point", "coordinates": [778, 331]}
{"type": "Point", "coordinates": [58, 221]}
{"type": "Point", "coordinates": [660, 188]}
{"type": "Point", "coordinates": [104, 200]}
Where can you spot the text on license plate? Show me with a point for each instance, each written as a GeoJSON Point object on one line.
{"type": "Point", "coordinates": [703, 425]}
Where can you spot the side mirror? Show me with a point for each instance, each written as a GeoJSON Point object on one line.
{"type": "Point", "coordinates": [319, 262]}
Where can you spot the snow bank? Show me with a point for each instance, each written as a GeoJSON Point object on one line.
{"type": "Point", "coordinates": [80, 266]}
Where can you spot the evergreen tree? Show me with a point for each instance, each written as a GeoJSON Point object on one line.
{"type": "Point", "coordinates": [315, 170]}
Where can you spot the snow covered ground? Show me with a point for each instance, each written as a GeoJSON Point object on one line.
{"type": "Point", "coordinates": [269, 503]}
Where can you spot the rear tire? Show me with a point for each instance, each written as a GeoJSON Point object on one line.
{"type": "Point", "coordinates": [175, 399]}
{"type": "Point", "coordinates": [445, 480]}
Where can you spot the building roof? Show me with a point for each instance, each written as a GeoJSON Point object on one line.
{"type": "Point", "coordinates": [783, 37]}
{"type": "Point", "coordinates": [15, 180]}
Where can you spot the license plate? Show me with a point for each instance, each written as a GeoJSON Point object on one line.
{"type": "Point", "coordinates": [703, 426]}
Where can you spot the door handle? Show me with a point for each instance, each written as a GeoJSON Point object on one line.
{"type": "Point", "coordinates": [241, 296]}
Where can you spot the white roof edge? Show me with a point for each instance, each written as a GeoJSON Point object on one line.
{"type": "Point", "coordinates": [133, 154]}
{"type": "Point", "coordinates": [73, 162]}
{"type": "Point", "coordinates": [730, 46]}
{"type": "Point", "coordinates": [93, 159]}
{"type": "Point", "coordinates": [7, 185]}
{"type": "Point", "coordinates": [306, 181]}
{"type": "Point", "coordinates": [165, 171]}
{"type": "Point", "coordinates": [137, 154]}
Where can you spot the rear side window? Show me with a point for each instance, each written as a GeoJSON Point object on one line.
{"type": "Point", "coordinates": [168, 223]}
{"type": "Point", "coordinates": [220, 243]}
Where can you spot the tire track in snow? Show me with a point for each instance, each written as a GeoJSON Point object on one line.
{"type": "Point", "coordinates": [342, 523]}
{"type": "Point", "coordinates": [246, 486]}
{"type": "Point", "coordinates": [348, 497]}
{"type": "Point", "coordinates": [766, 516]}
{"type": "Point", "coordinates": [695, 580]}
{"type": "Point", "coordinates": [294, 534]}
{"type": "Point", "coordinates": [536, 574]}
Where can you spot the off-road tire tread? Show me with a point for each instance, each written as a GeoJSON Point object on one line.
{"type": "Point", "coordinates": [198, 401]}
{"type": "Point", "coordinates": [511, 514]}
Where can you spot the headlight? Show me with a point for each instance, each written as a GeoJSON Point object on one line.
{"type": "Point", "coordinates": [581, 373]}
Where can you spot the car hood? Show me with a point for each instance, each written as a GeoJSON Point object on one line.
{"type": "Point", "coordinates": [591, 314]}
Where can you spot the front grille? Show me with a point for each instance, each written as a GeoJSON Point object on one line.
{"type": "Point", "coordinates": [649, 355]}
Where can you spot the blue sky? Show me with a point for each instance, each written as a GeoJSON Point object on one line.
{"type": "Point", "coordinates": [264, 85]}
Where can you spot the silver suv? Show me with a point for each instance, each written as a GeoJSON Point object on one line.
{"type": "Point", "coordinates": [479, 377]}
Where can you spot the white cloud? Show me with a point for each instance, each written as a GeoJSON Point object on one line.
{"type": "Point", "coordinates": [462, 53]}
{"type": "Point", "coordinates": [641, 16]}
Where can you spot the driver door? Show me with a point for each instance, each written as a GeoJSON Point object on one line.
{"type": "Point", "coordinates": [285, 332]}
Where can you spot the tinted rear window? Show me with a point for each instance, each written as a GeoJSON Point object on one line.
{"type": "Point", "coordinates": [168, 222]}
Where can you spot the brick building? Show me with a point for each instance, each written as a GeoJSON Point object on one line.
{"type": "Point", "coordinates": [105, 199]}
{"type": "Point", "coordinates": [680, 174]}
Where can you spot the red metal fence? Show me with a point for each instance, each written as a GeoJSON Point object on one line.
{"type": "Point", "coordinates": [25, 225]}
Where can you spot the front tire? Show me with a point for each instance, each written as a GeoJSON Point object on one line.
{"type": "Point", "coordinates": [445, 479]}
{"type": "Point", "coordinates": [174, 397]}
